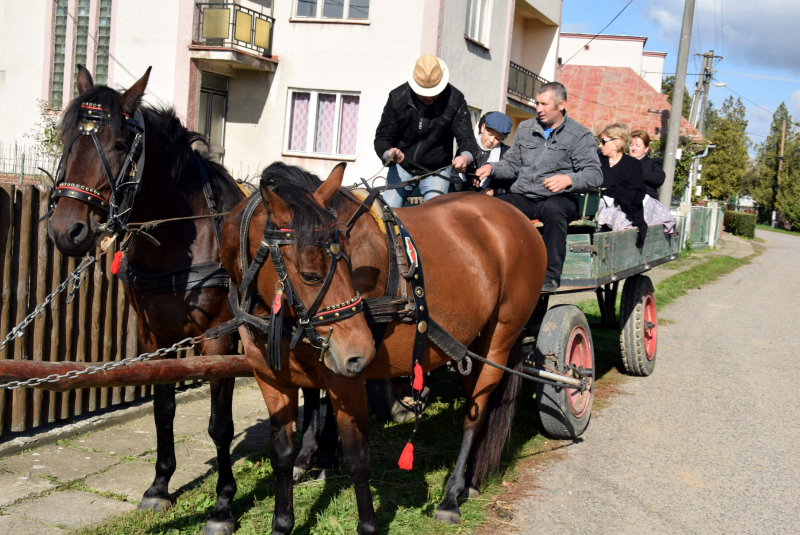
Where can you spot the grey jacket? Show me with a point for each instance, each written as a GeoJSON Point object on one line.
{"type": "Point", "coordinates": [571, 150]}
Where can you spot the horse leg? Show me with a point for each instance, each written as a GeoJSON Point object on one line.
{"type": "Point", "coordinates": [308, 444]}
{"type": "Point", "coordinates": [349, 399]}
{"type": "Point", "coordinates": [327, 461]}
{"type": "Point", "coordinates": [157, 496]}
{"type": "Point", "coordinates": [497, 339]}
{"type": "Point", "coordinates": [282, 406]}
{"type": "Point", "coordinates": [220, 427]}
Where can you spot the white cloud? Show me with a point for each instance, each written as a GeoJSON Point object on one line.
{"type": "Point", "coordinates": [762, 33]}
{"type": "Point", "coordinates": [794, 105]}
{"type": "Point", "coordinates": [576, 27]}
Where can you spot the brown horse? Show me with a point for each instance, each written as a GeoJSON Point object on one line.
{"type": "Point", "coordinates": [484, 266]}
{"type": "Point", "coordinates": [171, 187]}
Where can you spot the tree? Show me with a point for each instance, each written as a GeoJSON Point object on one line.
{"type": "Point", "coordinates": [784, 197]}
{"type": "Point", "coordinates": [689, 149]}
{"type": "Point", "coordinates": [725, 167]}
{"type": "Point", "coordinates": [668, 86]}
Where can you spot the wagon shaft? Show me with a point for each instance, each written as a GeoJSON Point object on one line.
{"type": "Point", "coordinates": [153, 372]}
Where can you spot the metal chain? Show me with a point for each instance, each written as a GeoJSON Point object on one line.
{"type": "Point", "coordinates": [89, 370]}
{"type": "Point", "coordinates": [74, 277]}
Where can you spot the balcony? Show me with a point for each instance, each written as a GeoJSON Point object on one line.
{"type": "Point", "coordinates": [523, 83]}
{"type": "Point", "coordinates": [234, 35]}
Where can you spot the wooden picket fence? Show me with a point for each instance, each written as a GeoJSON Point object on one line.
{"type": "Point", "coordinates": [98, 326]}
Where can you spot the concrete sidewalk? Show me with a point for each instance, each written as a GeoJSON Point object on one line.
{"type": "Point", "coordinates": [114, 466]}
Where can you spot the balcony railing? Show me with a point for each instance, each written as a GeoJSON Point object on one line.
{"type": "Point", "coordinates": [523, 83]}
{"type": "Point", "coordinates": [231, 25]}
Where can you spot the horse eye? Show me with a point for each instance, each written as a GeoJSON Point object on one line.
{"type": "Point", "coordinates": [120, 146]}
{"type": "Point", "coordinates": [311, 277]}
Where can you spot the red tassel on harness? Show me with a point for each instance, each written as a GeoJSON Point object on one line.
{"type": "Point", "coordinates": [116, 262]}
{"type": "Point", "coordinates": [276, 303]}
{"type": "Point", "coordinates": [417, 384]}
{"type": "Point", "coordinates": [406, 461]}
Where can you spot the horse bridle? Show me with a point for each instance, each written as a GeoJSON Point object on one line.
{"type": "Point", "coordinates": [310, 317]}
{"type": "Point", "coordinates": [123, 193]}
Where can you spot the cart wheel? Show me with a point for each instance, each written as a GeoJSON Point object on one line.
{"type": "Point", "coordinates": [391, 400]}
{"type": "Point", "coordinates": [565, 336]}
{"type": "Point", "coordinates": [638, 326]}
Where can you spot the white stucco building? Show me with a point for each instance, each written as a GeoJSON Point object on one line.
{"type": "Point", "coordinates": [303, 81]}
{"type": "Point", "coordinates": [613, 51]}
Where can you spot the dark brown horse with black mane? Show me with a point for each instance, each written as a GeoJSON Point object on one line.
{"type": "Point", "coordinates": [484, 266]}
{"type": "Point", "coordinates": [192, 297]}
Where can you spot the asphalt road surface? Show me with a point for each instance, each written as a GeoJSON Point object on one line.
{"type": "Point", "coordinates": [710, 443]}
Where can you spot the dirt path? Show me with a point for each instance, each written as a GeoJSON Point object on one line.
{"type": "Point", "coordinates": [710, 442]}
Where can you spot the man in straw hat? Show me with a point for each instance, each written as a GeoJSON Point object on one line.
{"type": "Point", "coordinates": [419, 123]}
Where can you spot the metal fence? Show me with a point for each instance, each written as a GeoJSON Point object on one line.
{"type": "Point", "coordinates": [99, 325]}
{"type": "Point", "coordinates": [19, 161]}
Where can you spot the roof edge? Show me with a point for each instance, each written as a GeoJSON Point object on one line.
{"type": "Point", "coordinates": [605, 37]}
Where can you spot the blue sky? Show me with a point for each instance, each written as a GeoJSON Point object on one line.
{"type": "Point", "coordinates": [758, 38]}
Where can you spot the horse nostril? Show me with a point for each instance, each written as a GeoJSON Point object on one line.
{"type": "Point", "coordinates": [78, 233]}
{"type": "Point", "coordinates": [355, 364]}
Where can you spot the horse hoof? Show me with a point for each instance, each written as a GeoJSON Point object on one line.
{"type": "Point", "coordinates": [322, 474]}
{"type": "Point", "coordinates": [447, 517]}
{"type": "Point", "coordinates": [214, 527]}
{"type": "Point", "coordinates": [298, 473]}
{"type": "Point", "coordinates": [469, 492]}
{"type": "Point", "coordinates": [155, 504]}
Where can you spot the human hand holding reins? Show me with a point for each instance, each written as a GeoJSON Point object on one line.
{"type": "Point", "coordinates": [396, 155]}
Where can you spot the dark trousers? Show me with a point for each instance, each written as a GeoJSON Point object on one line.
{"type": "Point", "coordinates": [555, 213]}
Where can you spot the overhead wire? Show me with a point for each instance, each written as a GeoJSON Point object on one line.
{"type": "Point", "coordinates": [596, 35]}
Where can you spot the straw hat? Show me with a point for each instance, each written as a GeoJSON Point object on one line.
{"type": "Point", "coordinates": [428, 76]}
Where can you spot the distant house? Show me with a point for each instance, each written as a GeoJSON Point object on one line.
{"type": "Point", "coordinates": [302, 81]}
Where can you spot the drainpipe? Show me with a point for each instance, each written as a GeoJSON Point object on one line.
{"type": "Point", "coordinates": [693, 173]}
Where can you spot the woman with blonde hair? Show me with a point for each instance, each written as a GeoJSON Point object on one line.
{"type": "Point", "coordinates": [625, 202]}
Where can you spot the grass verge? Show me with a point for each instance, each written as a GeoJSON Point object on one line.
{"type": "Point", "coordinates": [781, 230]}
{"type": "Point", "coordinates": [405, 501]}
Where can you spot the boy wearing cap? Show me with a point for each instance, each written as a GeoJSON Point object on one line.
{"type": "Point", "coordinates": [493, 128]}
{"type": "Point", "coordinates": [421, 119]}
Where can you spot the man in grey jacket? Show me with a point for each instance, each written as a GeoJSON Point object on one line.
{"type": "Point", "coordinates": [551, 158]}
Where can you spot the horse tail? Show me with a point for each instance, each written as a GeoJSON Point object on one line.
{"type": "Point", "coordinates": [499, 417]}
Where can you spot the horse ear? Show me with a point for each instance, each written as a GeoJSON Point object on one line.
{"type": "Point", "coordinates": [328, 189]}
{"type": "Point", "coordinates": [84, 80]}
{"type": "Point", "coordinates": [131, 98]}
{"type": "Point", "coordinates": [277, 210]}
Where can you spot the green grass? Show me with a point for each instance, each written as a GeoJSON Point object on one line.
{"type": "Point", "coordinates": [783, 231]}
{"type": "Point", "coordinates": [405, 501]}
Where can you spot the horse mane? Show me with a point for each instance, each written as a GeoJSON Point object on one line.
{"type": "Point", "coordinates": [165, 129]}
{"type": "Point", "coordinates": [294, 185]}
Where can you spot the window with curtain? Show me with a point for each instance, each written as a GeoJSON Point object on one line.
{"type": "Point", "coordinates": [332, 9]}
{"type": "Point", "coordinates": [478, 20]}
{"type": "Point", "coordinates": [322, 122]}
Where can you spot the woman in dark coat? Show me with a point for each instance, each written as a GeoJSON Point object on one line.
{"type": "Point", "coordinates": [651, 167]}
{"type": "Point", "coordinates": [622, 205]}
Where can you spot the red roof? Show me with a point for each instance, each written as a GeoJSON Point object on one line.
{"type": "Point", "coordinates": [599, 96]}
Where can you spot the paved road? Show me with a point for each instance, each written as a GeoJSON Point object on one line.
{"type": "Point", "coordinates": [710, 442]}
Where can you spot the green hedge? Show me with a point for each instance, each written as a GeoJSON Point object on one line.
{"type": "Point", "coordinates": [740, 223]}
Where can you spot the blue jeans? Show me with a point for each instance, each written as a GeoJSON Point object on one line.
{"type": "Point", "coordinates": [430, 187]}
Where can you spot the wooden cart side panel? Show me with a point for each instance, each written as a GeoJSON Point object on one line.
{"type": "Point", "coordinates": [577, 265]}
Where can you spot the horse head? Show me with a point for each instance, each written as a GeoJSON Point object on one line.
{"type": "Point", "coordinates": [99, 133]}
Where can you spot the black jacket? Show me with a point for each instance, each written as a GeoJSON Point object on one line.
{"type": "Point", "coordinates": [480, 158]}
{"type": "Point", "coordinates": [625, 184]}
{"type": "Point", "coordinates": [654, 175]}
{"type": "Point", "coordinates": [426, 139]}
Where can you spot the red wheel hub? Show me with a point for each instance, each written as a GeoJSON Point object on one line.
{"type": "Point", "coordinates": [650, 326]}
{"type": "Point", "coordinates": [579, 353]}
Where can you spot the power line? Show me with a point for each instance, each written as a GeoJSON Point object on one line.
{"type": "Point", "coordinates": [750, 101]}
{"type": "Point", "coordinates": [597, 35]}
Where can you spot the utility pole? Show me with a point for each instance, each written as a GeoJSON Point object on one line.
{"type": "Point", "coordinates": [698, 90]}
{"type": "Point", "coordinates": [780, 158]}
{"type": "Point", "coordinates": [698, 104]}
{"type": "Point", "coordinates": [674, 126]}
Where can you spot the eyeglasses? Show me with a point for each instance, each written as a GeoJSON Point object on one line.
{"type": "Point", "coordinates": [603, 141]}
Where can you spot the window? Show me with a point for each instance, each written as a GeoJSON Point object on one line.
{"type": "Point", "coordinates": [59, 43]}
{"type": "Point", "coordinates": [475, 116]}
{"type": "Point", "coordinates": [103, 42]}
{"type": "Point", "coordinates": [478, 20]}
{"type": "Point", "coordinates": [322, 122]}
{"type": "Point", "coordinates": [333, 9]}
{"type": "Point", "coordinates": [211, 112]}
{"type": "Point", "coordinates": [81, 40]}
